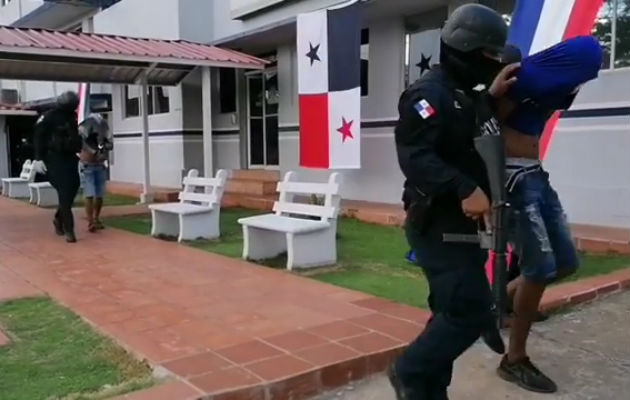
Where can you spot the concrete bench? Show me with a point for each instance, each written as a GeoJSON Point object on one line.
{"type": "Point", "coordinates": [306, 232]}
{"type": "Point", "coordinates": [196, 216]}
{"type": "Point", "coordinates": [17, 188]}
{"type": "Point", "coordinates": [43, 194]}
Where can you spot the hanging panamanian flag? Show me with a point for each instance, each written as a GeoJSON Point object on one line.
{"type": "Point", "coordinates": [329, 84]}
{"type": "Point", "coordinates": [84, 103]}
{"type": "Point", "coordinates": [424, 52]}
{"type": "Point", "coordinates": [539, 24]}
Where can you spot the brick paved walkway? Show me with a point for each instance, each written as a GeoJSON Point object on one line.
{"type": "Point", "coordinates": [219, 325]}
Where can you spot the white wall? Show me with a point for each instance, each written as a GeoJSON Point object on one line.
{"type": "Point", "coordinates": [16, 9]}
{"type": "Point", "coordinates": [589, 158]}
{"type": "Point", "coordinates": [171, 121]}
{"type": "Point", "coordinates": [4, 149]}
{"type": "Point", "coordinates": [192, 108]}
{"type": "Point", "coordinates": [225, 26]}
{"type": "Point", "coordinates": [193, 20]}
{"type": "Point", "coordinates": [166, 160]}
{"type": "Point", "coordinates": [34, 90]}
{"type": "Point", "coordinates": [140, 18]}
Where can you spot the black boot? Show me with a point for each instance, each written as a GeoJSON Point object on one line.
{"type": "Point", "coordinates": [403, 392]}
{"type": "Point", "coordinates": [58, 227]}
{"type": "Point", "coordinates": [492, 336]}
{"type": "Point", "coordinates": [70, 237]}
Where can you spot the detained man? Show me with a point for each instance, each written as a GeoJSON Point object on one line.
{"type": "Point", "coordinates": [539, 233]}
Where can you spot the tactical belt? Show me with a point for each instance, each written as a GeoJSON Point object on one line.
{"type": "Point", "coordinates": [483, 239]}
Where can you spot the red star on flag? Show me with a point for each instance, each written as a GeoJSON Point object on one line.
{"type": "Point", "coordinates": [345, 130]}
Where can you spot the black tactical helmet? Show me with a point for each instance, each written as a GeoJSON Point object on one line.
{"type": "Point", "coordinates": [68, 100]}
{"type": "Point", "coordinates": [475, 27]}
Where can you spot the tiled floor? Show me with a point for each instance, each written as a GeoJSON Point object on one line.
{"type": "Point", "coordinates": [218, 324]}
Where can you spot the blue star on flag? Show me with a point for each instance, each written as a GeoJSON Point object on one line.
{"type": "Point", "coordinates": [424, 63]}
{"type": "Point", "coordinates": [312, 54]}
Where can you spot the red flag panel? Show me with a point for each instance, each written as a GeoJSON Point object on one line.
{"type": "Point", "coordinates": [314, 137]}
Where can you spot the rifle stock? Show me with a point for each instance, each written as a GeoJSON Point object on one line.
{"type": "Point", "coordinates": [491, 148]}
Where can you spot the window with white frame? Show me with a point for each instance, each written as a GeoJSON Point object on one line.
{"type": "Point", "coordinates": [4, 2]}
{"type": "Point", "coordinates": [612, 28]}
{"type": "Point", "coordinates": [227, 90]}
{"type": "Point", "coordinates": [365, 61]}
{"type": "Point", "coordinates": [157, 99]}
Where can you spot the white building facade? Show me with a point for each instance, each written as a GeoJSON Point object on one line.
{"type": "Point", "coordinates": [255, 115]}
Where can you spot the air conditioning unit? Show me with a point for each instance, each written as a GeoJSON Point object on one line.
{"type": "Point", "coordinates": [9, 96]}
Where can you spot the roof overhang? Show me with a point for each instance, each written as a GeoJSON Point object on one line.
{"type": "Point", "coordinates": [53, 66]}
{"type": "Point", "coordinates": [16, 110]}
{"type": "Point", "coordinates": [75, 57]}
{"type": "Point", "coordinates": [18, 113]}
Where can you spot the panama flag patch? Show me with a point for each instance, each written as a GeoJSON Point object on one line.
{"type": "Point", "coordinates": [424, 109]}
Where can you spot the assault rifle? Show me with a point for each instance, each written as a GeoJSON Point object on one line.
{"type": "Point", "coordinates": [491, 148]}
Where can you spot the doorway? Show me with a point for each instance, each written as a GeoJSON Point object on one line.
{"type": "Point", "coordinates": [263, 101]}
{"type": "Point", "coordinates": [20, 133]}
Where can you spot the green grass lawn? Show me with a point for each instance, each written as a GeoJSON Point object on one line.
{"type": "Point", "coordinates": [110, 200]}
{"type": "Point", "coordinates": [55, 355]}
{"type": "Point", "coordinates": [371, 257]}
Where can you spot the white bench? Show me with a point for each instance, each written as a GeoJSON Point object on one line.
{"type": "Point", "coordinates": [306, 232]}
{"type": "Point", "coordinates": [196, 216]}
{"type": "Point", "coordinates": [43, 194]}
{"type": "Point", "coordinates": [17, 188]}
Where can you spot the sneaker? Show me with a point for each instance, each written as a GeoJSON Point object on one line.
{"type": "Point", "coordinates": [58, 227]}
{"type": "Point", "coordinates": [526, 375]}
{"type": "Point", "coordinates": [402, 392]}
{"type": "Point", "coordinates": [99, 225]}
{"type": "Point", "coordinates": [70, 237]}
{"type": "Point", "coordinates": [92, 227]}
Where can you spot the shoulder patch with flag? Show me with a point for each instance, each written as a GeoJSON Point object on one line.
{"type": "Point", "coordinates": [424, 109]}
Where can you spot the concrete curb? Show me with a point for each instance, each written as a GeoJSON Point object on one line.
{"type": "Point", "coordinates": [585, 290]}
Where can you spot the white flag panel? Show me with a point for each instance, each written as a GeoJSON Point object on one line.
{"type": "Point", "coordinates": [344, 119]}
{"type": "Point", "coordinates": [312, 38]}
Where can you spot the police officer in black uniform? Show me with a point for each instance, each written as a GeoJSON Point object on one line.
{"type": "Point", "coordinates": [446, 192]}
{"type": "Point", "coordinates": [57, 143]}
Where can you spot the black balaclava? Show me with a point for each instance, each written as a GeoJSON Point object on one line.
{"type": "Point", "coordinates": [469, 69]}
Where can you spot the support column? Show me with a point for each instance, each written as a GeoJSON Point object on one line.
{"type": "Point", "coordinates": [87, 25]}
{"type": "Point", "coordinates": [206, 105]}
{"type": "Point", "coordinates": [146, 196]}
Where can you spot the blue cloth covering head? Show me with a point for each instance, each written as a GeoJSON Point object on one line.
{"type": "Point", "coordinates": [549, 81]}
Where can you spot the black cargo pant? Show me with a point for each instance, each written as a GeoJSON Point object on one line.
{"type": "Point", "coordinates": [64, 177]}
{"type": "Point", "coordinates": [460, 299]}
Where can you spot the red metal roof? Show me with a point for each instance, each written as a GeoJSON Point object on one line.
{"type": "Point", "coordinates": [178, 51]}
